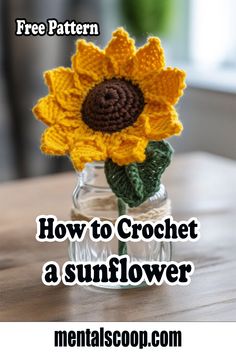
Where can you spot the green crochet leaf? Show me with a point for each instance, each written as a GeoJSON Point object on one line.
{"type": "Point", "coordinates": [136, 182]}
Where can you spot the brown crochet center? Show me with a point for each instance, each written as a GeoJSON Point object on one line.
{"type": "Point", "coordinates": [112, 105]}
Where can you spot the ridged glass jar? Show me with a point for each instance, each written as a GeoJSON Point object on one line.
{"type": "Point", "coordinates": [93, 197]}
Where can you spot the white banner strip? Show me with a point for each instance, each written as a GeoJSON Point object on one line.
{"type": "Point", "coordinates": [104, 337]}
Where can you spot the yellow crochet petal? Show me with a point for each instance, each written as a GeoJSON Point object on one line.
{"type": "Point", "coordinates": [148, 58]}
{"type": "Point", "coordinates": [70, 100]}
{"type": "Point", "coordinates": [59, 79]}
{"type": "Point", "coordinates": [164, 125]}
{"type": "Point", "coordinates": [140, 128]}
{"type": "Point", "coordinates": [48, 110]}
{"type": "Point", "coordinates": [86, 150]}
{"type": "Point", "coordinates": [86, 83]}
{"type": "Point", "coordinates": [167, 85]}
{"type": "Point", "coordinates": [156, 107]}
{"type": "Point", "coordinates": [120, 49]}
{"type": "Point", "coordinates": [125, 149]}
{"type": "Point", "coordinates": [61, 83]}
{"type": "Point", "coordinates": [89, 60]}
{"type": "Point", "coordinates": [70, 120]}
{"type": "Point", "coordinates": [54, 141]}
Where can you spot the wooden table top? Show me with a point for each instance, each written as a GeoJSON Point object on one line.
{"type": "Point", "coordinates": [199, 184]}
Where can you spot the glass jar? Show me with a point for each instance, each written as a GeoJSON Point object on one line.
{"type": "Point", "coordinates": [93, 197]}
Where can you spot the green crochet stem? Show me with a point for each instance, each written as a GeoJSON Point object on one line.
{"type": "Point", "coordinates": [122, 246]}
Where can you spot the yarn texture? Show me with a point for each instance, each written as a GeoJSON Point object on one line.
{"type": "Point", "coordinates": [110, 104]}
{"type": "Point", "coordinates": [137, 182]}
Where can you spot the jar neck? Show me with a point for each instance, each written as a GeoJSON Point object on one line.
{"type": "Point", "coordinates": [93, 180]}
{"type": "Point", "coordinates": [94, 176]}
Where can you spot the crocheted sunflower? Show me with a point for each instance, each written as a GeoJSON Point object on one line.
{"type": "Point", "coordinates": [110, 105]}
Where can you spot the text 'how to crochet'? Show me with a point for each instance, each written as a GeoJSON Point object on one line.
{"type": "Point", "coordinates": [49, 229]}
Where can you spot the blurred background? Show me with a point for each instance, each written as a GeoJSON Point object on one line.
{"type": "Point", "coordinates": [198, 36]}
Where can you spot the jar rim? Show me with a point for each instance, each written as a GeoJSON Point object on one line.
{"type": "Point", "coordinates": [99, 164]}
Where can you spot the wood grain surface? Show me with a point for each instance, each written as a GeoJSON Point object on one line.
{"type": "Point", "coordinates": [199, 184]}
